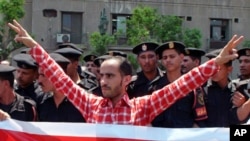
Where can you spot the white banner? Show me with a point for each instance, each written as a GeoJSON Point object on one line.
{"type": "Point", "coordinates": [13, 130]}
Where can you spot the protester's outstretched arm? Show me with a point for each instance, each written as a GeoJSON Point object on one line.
{"type": "Point", "coordinates": [52, 70]}
{"type": "Point", "coordinates": [3, 115]}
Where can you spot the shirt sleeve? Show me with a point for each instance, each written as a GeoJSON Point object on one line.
{"type": "Point", "coordinates": [168, 95]}
{"type": "Point", "coordinates": [60, 80]}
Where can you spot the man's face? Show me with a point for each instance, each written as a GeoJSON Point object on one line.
{"type": "Point", "coordinates": [148, 61]}
{"type": "Point", "coordinates": [44, 82]}
{"type": "Point", "coordinates": [245, 66]}
{"type": "Point", "coordinates": [171, 60]}
{"type": "Point", "coordinates": [25, 77]}
{"type": "Point", "coordinates": [91, 67]}
{"type": "Point", "coordinates": [188, 63]}
{"type": "Point", "coordinates": [112, 82]}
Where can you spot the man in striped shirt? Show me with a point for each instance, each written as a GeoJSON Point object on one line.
{"type": "Point", "coordinates": [115, 107]}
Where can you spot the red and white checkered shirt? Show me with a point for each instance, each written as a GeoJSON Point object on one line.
{"type": "Point", "coordinates": [137, 111]}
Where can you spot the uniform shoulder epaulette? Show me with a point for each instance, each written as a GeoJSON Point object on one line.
{"type": "Point", "coordinates": [235, 80]}
{"type": "Point", "coordinates": [239, 82]}
{"type": "Point", "coordinates": [30, 101]}
{"type": "Point", "coordinates": [134, 78]}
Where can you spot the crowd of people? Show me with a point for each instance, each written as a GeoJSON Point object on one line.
{"type": "Point", "coordinates": [182, 93]}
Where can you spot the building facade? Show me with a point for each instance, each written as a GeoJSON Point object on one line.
{"type": "Point", "coordinates": [54, 21]}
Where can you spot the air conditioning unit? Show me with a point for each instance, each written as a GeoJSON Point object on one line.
{"type": "Point", "coordinates": [63, 38]}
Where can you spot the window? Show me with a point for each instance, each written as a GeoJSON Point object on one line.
{"type": "Point", "coordinates": [219, 32]}
{"type": "Point", "coordinates": [219, 29]}
{"type": "Point", "coordinates": [72, 24]}
{"type": "Point", "coordinates": [119, 23]}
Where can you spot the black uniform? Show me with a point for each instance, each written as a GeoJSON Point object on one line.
{"type": "Point", "coordinates": [65, 112]}
{"type": "Point", "coordinates": [32, 91]}
{"type": "Point", "coordinates": [88, 80]}
{"type": "Point", "coordinates": [179, 115]}
{"type": "Point", "coordinates": [21, 109]}
{"type": "Point", "coordinates": [140, 85]}
{"type": "Point", "coordinates": [219, 106]}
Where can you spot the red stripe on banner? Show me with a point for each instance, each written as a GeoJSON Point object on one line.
{"type": "Point", "coordinates": [7, 135]}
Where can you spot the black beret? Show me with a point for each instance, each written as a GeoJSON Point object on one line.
{"type": "Point", "coordinates": [146, 46]}
{"type": "Point", "coordinates": [117, 53]}
{"type": "Point", "coordinates": [6, 68]}
{"type": "Point", "coordinates": [59, 58]}
{"type": "Point", "coordinates": [98, 61]}
{"type": "Point", "coordinates": [244, 52]}
{"type": "Point", "coordinates": [194, 52]}
{"type": "Point", "coordinates": [213, 53]}
{"type": "Point", "coordinates": [25, 61]}
{"type": "Point", "coordinates": [70, 45]}
{"type": "Point", "coordinates": [68, 52]}
{"type": "Point", "coordinates": [179, 46]}
{"type": "Point", "coordinates": [89, 57]}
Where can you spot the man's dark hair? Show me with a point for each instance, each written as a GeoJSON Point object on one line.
{"type": "Point", "coordinates": [196, 58]}
{"type": "Point", "coordinates": [9, 76]}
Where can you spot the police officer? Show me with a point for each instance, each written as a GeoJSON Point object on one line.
{"type": "Point", "coordinates": [243, 82]}
{"type": "Point", "coordinates": [26, 77]}
{"type": "Point", "coordinates": [90, 65]}
{"type": "Point", "coordinates": [149, 78]}
{"type": "Point", "coordinates": [83, 78]}
{"type": "Point", "coordinates": [13, 104]}
{"type": "Point", "coordinates": [219, 91]}
{"type": "Point", "coordinates": [180, 114]}
{"type": "Point", "coordinates": [192, 59]}
{"type": "Point", "coordinates": [56, 107]}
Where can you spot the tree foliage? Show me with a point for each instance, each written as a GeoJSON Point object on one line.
{"type": "Point", "coordinates": [146, 24]}
{"type": "Point", "coordinates": [99, 43]}
{"type": "Point", "coordinates": [141, 25]}
{"type": "Point", "coordinates": [133, 61]}
{"type": "Point", "coordinates": [169, 28]}
{"type": "Point", "coordinates": [246, 43]}
{"type": "Point", "coordinates": [9, 9]}
{"type": "Point", "coordinates": [192, 38]}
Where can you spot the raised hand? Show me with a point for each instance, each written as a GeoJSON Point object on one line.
{"type": "Point", "coordinates": [3, 115]}
{"type": "Point", "coordinates": [22, 35]}
{"type": "Point", "coordinates": [238, 99]}
{"type": "Point", "coordinates": [229, 52]}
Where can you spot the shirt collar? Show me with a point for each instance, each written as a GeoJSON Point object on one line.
{"type": "Point", "coordinates": [124, 102]}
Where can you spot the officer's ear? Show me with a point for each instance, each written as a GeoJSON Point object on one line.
{"type": "Point", "coordinates": [182, 56]}
{"type": "Point", "coordinates": [127, 79]}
